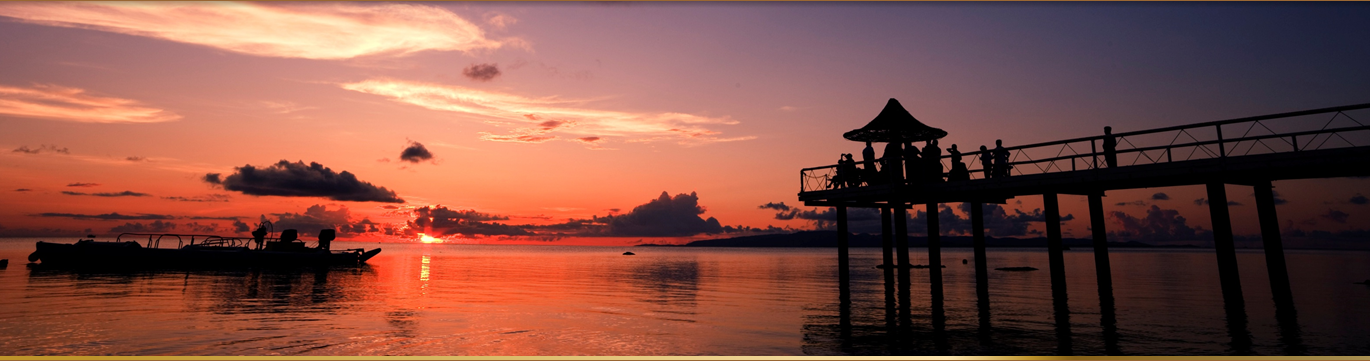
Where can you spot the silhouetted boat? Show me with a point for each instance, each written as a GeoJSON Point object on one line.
{"type": "Point", "coordinates": [209, 251]}
{"type": "Point", "coordinates": [628, 253]}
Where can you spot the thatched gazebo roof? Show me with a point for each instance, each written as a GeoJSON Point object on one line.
{"type": "Point", "coordinates": [894, 125]}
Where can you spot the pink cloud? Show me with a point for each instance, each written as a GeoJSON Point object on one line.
{"type": "Point", "coordinates": [310, 30]}
{"type": "Point", "coordinates": [72, 104]}
{"type": "Point", "coordinates": [548, 114]}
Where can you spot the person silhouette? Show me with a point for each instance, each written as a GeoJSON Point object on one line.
{"type": "Point", "coordinates": [932, 159]}
{"type": "Point", "coordinates": [1110, 148]}
{"type": "Point", "coordinates": [853, 177]}
{"type": "Point", "coordinates": [839, 180]}
{"type": "Point", "coordinates": [1001, 166]}
{"type": "Point", "coordinates": [958, 168]}
{"type": "Point", "coordinates": [893, 162]}
{"type": "Point", "coordinates": [987, 162]}
{"type": "Point", "coordinates": [912, 163]}
{"type": "Point", "coordinates": [868, 170]}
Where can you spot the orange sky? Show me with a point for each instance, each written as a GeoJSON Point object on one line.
{"type": "Point", "coordinates": [538, 114]}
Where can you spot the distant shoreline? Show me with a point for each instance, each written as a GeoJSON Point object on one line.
{"type": "Point", "coordinates": [828, 239]}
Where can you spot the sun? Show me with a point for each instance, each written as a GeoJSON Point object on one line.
{"type": "Point", "coordinates": [428, 239]}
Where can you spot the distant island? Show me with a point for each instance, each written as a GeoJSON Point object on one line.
{"type": "Point", "coordinates": [829, 239]}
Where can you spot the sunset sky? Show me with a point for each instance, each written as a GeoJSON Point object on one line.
{"type": "Point", "coordinates": [531, 122]}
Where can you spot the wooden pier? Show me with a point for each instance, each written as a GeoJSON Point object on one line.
{"type": "Point", "coordinates": [1318, 143]}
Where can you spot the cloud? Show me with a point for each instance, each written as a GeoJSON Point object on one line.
{"type": "Point", "coordinates": [288, 30]}
{"type": "Point", "coordinates": [1157, 226]}
{"type": "Point", "coordinates": [1278, 200]}
{"type": "Point", "coordinates": [135, 158]}
{"type": "Point", "coordinates": [500, 21]}
{"type": "Point", "coordinates": [79, 184]}
{"type": "Point", "coordinates": [998, 221]}
{"type": "Point", "coordinates": [138, 227]}
{"type": "Point", "coordinates": [203, 198]}
{"type": "Point", "coordinates": [106, 216]}
{"type": "Point", "coordinates": [318, 217]}
{"type": "Point", "coordinates": [1335, 216]}
{"type": "Point", "coordinates": [1359, 200]}
{"type": "Point", "coordinates": [665, 216]}
{"type": "Point", "coordinates": [108, 194]}
{"type": "Point", "coordinates": [439, 220]}
{"type": "Point", "coordinates": [415, 153]}
{"type": "Point", "coordinates": [533, 113]}
{"type": "Point", "coordinates": [23, 190]}
{"type": "Point", "coordinates": [196, 227]}
{"type": "Point", "coordinates": [299, 180]}
{"type": "Point", "coordinates": [1160, 197]}
{"type": "Point", "coordinates": [481, 72]}
{"type": "Point", "coordinates": [1132, 203]}
{"type": "Point", "coordinates": [71, 104]}
{"type": "Point", "coordinates": [42, 148]}
{"type": "Point", "coordinates": [240, 227]}
{"type": "Point", "coordinates": [776, 206]}
{"type": "Point", "coordinates": [1204, 202]}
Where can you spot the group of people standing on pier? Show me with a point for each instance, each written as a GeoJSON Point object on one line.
{"type": "Point", "coordinates": [905, 163]}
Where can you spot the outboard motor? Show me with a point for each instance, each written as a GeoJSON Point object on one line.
{"type": "Point", "coordinates": [326, 237]}
{"type": "Point", "coordinates": [289, 235]}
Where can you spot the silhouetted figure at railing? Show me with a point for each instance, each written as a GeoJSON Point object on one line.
{"type": "Point", "coordinates": [868, 172]}
{"type": "Point", "coordinates": [958, 168]}
{"type": "Point", "coordinates": [932, 159]}
{"type": "Point", "coordinates": [893, 163]}
{"type": "Point", "coordinates": [1110, 148]}
{"type": "Point", "coordinates": [1001, 166]}
{"type": "Point", "coordinates": [913, 164]}
{"type": "Point", "coordinates": [846, 173]}
{"type": "Point", "coordinates": [987, 162]}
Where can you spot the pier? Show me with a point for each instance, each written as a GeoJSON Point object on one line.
{"type": "Point", "coordinates": [1251, 151]}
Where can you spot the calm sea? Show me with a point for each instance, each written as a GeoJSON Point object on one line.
{"type": "Point", "coordinates": [434, 299]}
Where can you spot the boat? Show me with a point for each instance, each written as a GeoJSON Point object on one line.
{"type": "Point", "coordinates": [628, 253]}
{"type": "Point", "coordinates": [197, 250]}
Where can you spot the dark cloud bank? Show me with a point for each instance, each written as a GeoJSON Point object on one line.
{"type": "Point", "coordinates": [299, 180]}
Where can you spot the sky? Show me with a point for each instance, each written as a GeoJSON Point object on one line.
{"type": "Point", "coordinates": [621, 123]}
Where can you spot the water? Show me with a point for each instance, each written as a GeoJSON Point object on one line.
{"type": "Point", "coordinates": [416, 299]}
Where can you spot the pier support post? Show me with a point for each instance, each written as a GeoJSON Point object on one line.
{"type": "Point", "coordinates": [935, 266]}
{"type": "Point", "coordinates": [901, 234]}
{"type": "Point", "coordinates": [1225, 247]}
{"type": "Point", "coordinates": [1056, 258]}
{"type": "Point", "coordinates": [886, 238]}
{"type": "Point", "coordinates": [1285, 313]}
{"type": "Point", "coordinates": [1054, 247]}
{"type": "Point", "coordinates": [901, 240]}
{"type": "Point", "coordinates": [1274, 247]}
{"type": "Point", "coordinates": [977, 229]}
{"type": "Point", "coordinates": [843, 271]}
{"type": "Point", "coordinates": [1107, 315]}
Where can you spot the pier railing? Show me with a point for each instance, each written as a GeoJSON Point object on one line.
{"type": "Point", "coordinates": [1326, 128]}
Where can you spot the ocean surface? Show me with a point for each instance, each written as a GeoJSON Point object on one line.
{"type": "Point", "coordinates": [442, 299]}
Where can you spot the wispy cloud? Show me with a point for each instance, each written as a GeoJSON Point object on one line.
{"type": "Point", "coordinates": [72, 104]}
{"type": "Point", "coordinates": [543, 116]}
{"type": "Point", "coordinates": [311, 31]}
{"type": "Point", "coordinates": [108, 194]}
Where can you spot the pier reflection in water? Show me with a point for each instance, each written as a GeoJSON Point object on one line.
{"type": "Point", "coordinates": [531, 300]}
